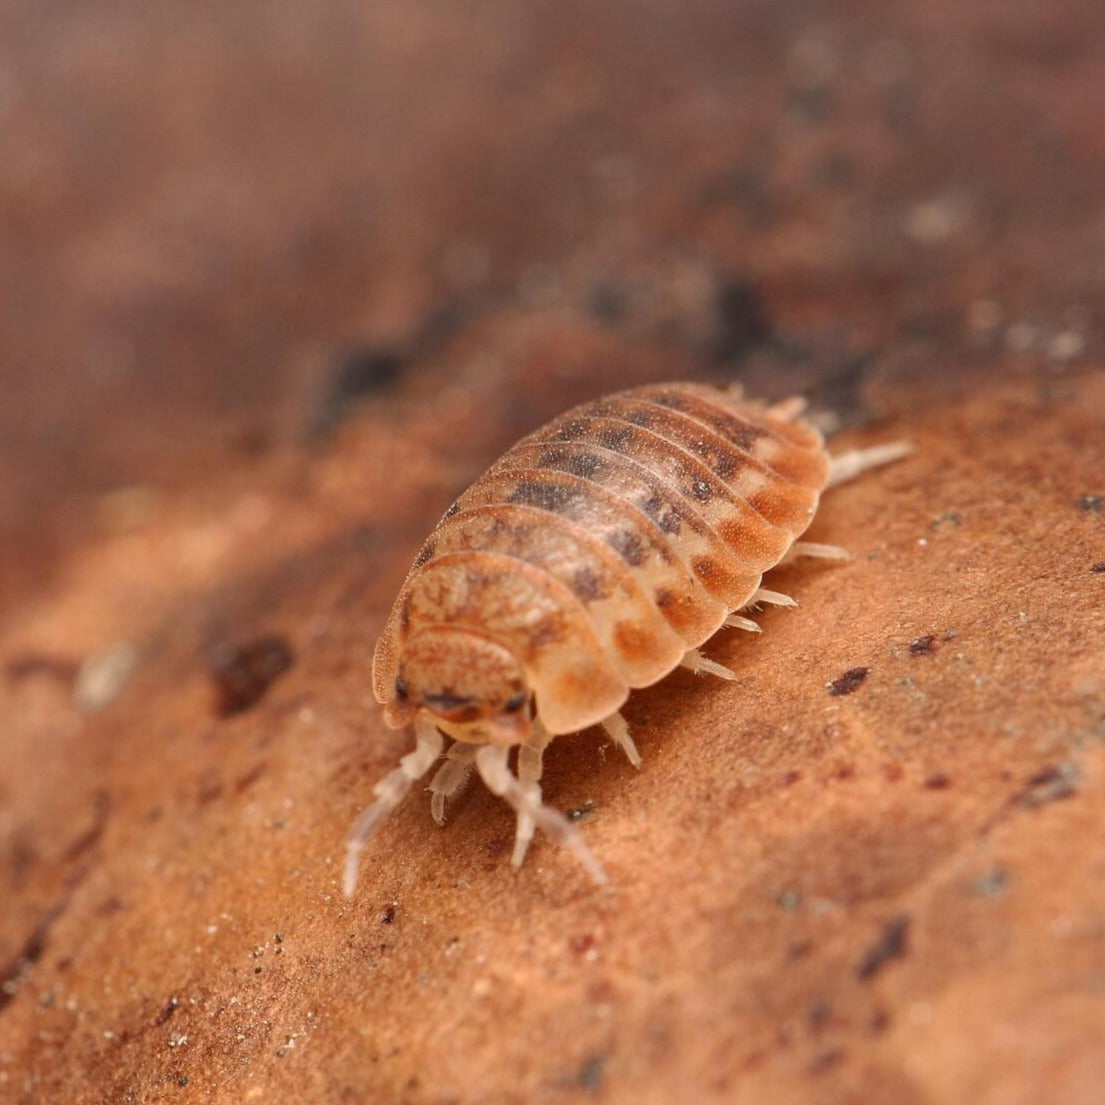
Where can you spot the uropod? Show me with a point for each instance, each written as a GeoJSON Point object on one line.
{"type": "Point", "coordinates": [595, 557]}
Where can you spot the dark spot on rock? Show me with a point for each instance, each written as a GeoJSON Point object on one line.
{"type": "Point", "coordinates": [790, 900]}
{"type": "Point", "coordinates": [579, 813]}
{"type": "Point", "coordinates": [742, 322]}
{"type": "Point", "coordinates": [825, 1060]}
{"type": "Point", "coordinates": [629, 546]}
{"type": "Point", "coordinates": [949, 517]}
{"type": "Point", "coordinates": [591, 1074]}
{"type": "Point", "coordinates": [937, 781]}
{"type": "Point", "coordinates": [28, 664]}
{"type": "Point", "coordinates": [101, 807]}
{"type": "Point", "coordinates": [1051, 784]}
{"type": "Point", "coordinates": [388, 916]}
{"type": "Point", "coordinates": [890, 945]}
{"type": "Point", "coordinates": [991, 883]}
{"type": "Point", "coordinates": [242, 673]}
{"type": "Point", "coordinates": [608, 302]}
{"type": "Point", "coordinates": [923, 646]}
{"type": "Point", "coordinates": [245, 781]}
{"type": "Point", "coordinates": [819, 1013]}
{"type": "Point", "coordinates": [13, 973]}
{"type": "Point", "coordinates": [167, 1010]}
{"type": "Point", "coordinates": [358, 374]}
{"type": "Point", "coordinates": [587, 583]}
{"type": "Point", "coordinates": [848, 682]}
{"type": "Point", "coordinates": [1092, 504]}
{"type": "Point", "coordinates": [425, 553]}
{"type": "Point", "coordinates": [582, 944]}
{"type": "Point", "coordinates": [1098, 567]}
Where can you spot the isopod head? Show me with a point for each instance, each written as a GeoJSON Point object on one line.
{"type": "Point", "coordinates": [464, 683]}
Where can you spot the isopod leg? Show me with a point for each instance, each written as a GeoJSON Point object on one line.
{"type": "Point", "coordinates": [788, 409]}
{"type": "Point", "coordinates": [451, 778]}
{"type": "Point", "coordinates": [696, 662]}
{"type": "Point", "coordinates": [390, 791]}
{"type": "Point", "coordinates": [530, 764]}
{"type": "Point", "coordinates": [849, 465]}
{"type": "Point", "coordinates": [816, 550]}
{"type": "Point", "coordinates": [736, 621]}
{"type": "Point", "coordinates": [773, 598]}
{"type": "Point", "coordinates": [491, 762]}
{"type": "Point", "coordinates": [618, 731]}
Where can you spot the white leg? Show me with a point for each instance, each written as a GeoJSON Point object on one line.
{"type": "Point", "coordinates": [696, 662]}
{"type": "Point", "coordinates": [491, 762]}
{"type": "Point", "coordinates": [390, 791]}
{"type": "Point", "coordinates": [788, 409]}
{"type": "Point", "coordinates": [451, 778]}
{"type": "Point", "coordinates": [849, 465]}
{"type": "Point", "coordinates": [618, 731]}
{"type": "Point", "coordinates": [773, 598]}
{"type": "Point", "coordinates": [530, 764]}
{"type": "Point", "coordinates": [812, 548]}
{"type": "Point", "coordinates": [735, 621]}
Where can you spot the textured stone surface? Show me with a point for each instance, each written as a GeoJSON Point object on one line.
{"type": "Point", "coordinates": [279, 283]}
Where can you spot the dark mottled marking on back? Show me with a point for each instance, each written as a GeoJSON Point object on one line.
{"type": "Point", "coordinates": [616, 440]}
{"type": "Point", "coordinates": [570, 431]}
{"type": "Point", "coordinates": [550, 497]}
{"type": "Point", "coordinates": [663, 597]}
{"type": "Point", "coordinates": [425, 553]}
{"type": "Point", "coordinates": [546, 631]}
{"type": "Point", "coordinates": [628, 546]}
{"type": "Point", "coordinates": [587, 584]}
{"type": "Point", "coordinates": [723, 465]}
{"type": "Point", "coordinates": [641, 417]}
{"type": "Point", "coordinates": [575, 463]}
{"type": "Point", "coordinates": [701, 490]}
{"type": "Point", "coordinates": [665, 514]}
{"type": "Point", "coordinates": [735, 429]}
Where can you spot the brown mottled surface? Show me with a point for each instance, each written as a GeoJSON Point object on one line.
{"type": "Point", "coordinates": [223, 224]}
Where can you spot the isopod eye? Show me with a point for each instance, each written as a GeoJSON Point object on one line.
{"type": "Point", "coordinates": [401, 690]}
{"type": "Point", "coordinates": [516, 702]}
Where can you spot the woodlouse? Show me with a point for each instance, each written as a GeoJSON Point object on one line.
{"type": "Point", "coordinates": [594, 557]}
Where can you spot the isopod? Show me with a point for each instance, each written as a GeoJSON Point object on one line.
{"type": "Point", "coordinates": [593, 558]}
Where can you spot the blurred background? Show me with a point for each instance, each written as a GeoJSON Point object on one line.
{"type": "Point", "coordinates": [221, 226]}
{"type": "Point", "coordinates": [277, 280]}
